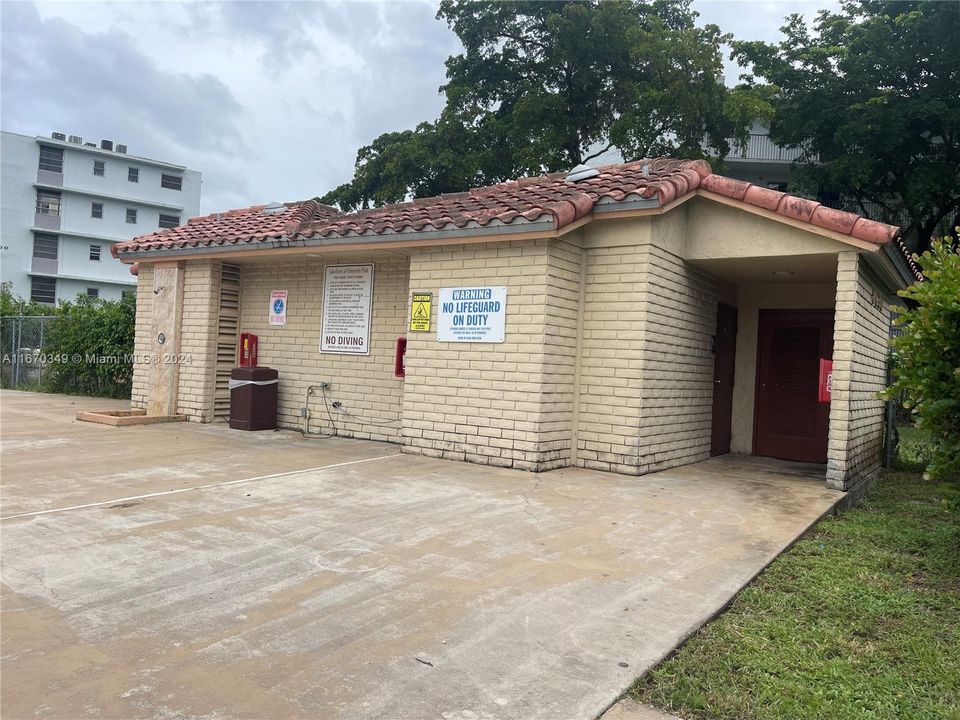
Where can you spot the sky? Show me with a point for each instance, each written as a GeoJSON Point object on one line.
{"type": "Point", "coordinates": [269, 100]}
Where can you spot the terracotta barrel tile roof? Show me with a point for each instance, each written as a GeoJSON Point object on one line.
{"type": "Point", "coordinates": [546, 200]}
{"type": "Point", "coordinates": [244, 225]}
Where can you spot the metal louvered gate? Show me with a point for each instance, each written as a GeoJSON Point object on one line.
{"type": "Point", "coordinates": [228, 326]}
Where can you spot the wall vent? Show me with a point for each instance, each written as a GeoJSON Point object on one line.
{"type": "Point", "coordinates": [106, 144]}
{"type": "Point", "coordinates": [228, 327]}
{"type": "Point", "coordinates": [121, 148]}
{"type": "Point", "coordinates": [75, 139]}
{"type": "Point", "coordinates": [90, 144]}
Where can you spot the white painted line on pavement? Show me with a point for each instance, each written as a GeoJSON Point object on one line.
{"type": "Point", "coordinates": [198, 487]}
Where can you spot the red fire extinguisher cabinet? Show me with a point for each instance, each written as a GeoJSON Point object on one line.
{"type": "Point", "coordinates": [248, 350]}
{"type": "Point", "coordinates": [253, 398]}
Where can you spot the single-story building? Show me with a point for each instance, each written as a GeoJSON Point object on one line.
{"type": "Point", "coordinates": [628, 318]}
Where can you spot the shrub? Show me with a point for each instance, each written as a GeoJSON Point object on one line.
{"type": "Point", "coordinates": [11, 304]}
{"type": "Point", "coordinates": [90, 342]}
{"type": "Point", "coordinates": [927, 368]}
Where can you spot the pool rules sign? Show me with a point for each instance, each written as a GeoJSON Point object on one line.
{"type": "Point", "coordinates": [472, 314]}
{"type": "Point", "coordinates": [347, 304]}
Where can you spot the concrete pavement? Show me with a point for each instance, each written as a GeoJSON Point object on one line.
{"type": "Point", "coordinates": [339, 579]}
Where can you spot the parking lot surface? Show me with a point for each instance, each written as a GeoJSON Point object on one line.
{"type": "Point", "coordinates": [187, 571]}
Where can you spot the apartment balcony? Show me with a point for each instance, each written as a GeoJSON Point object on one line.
{"type": "Point", "coordinates": [759, 147]}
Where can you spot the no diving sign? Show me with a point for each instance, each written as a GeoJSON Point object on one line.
{"type": "Point", "coordinates": [278, 307]}
{"type": "Point", "coordinates": [472, 314]}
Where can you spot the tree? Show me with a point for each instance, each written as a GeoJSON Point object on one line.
{"type": "Point", "coordinates": [872, 91]}
{"type": "Point", "coordinates": [927, 367]}
{"type": "Point", "coordinates": [545, 86]}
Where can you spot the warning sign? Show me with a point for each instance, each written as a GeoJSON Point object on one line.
{"type": "Point", "coordinates": [420, 312]}
{"type": "Point", "coordinates": [474, 314]}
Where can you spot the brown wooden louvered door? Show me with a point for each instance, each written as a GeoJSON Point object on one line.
{"type": "Point", "coordinates": [789, 423]}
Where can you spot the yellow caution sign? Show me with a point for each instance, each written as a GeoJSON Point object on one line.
{"type": "Point", "coordinates": [420, 312]}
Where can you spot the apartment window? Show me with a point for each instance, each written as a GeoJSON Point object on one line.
{"type": "Point", "coordinates": [93, 292]}
{"type": "Point", "coordinates": [96, 210]}
{"type": "Point", "coordinates": [169, 221]}
{"type": "Point", "coordinates": [51, 158]}
{"type": "Point", "coordinates": [95, 253]}
{"type": "Point", "coordinates": [48, 203]}
{"type": "Point", "coordinates": [45, 246]}
{"type": "Point", "coordinates": [133, 174]}
{"type": "Point", "coordinates": [171, 182]}
{"type": "Point", "coordinates": [131, 216]}
{"type": "Point", "coordinates": [99, 168]}
{"type": "Point", "coordinates": [43, 290]}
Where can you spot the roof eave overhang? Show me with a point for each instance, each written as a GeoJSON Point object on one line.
{"type": "Point", "coordinates": [891, 266]}
{"type": "Point", "coordinates": [411, 238]}
{"type": "Point", "coordinates": [793, 222]}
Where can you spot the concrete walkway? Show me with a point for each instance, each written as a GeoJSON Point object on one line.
{"type": "Point", "coordinates": [176, 571]}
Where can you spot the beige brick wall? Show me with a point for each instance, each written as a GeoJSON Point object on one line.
{"type": "Point", "coordinates": [364, 384]}
{"type": "Point", "coordinates": [607, 362]}
{"type": "Point", "coordinates": [565, 296]}
{"type": "Point", "coordinates": [613, 326]}
{"type": "Point", "coordinates": [677, 370]}
{"type": "Point", "coordinates": [483, 402]}
{"type": "Point", "coordinates": [860, 351]}
{"type": "Point", "coordinates": [646, 387]}
{"type": "Point", "coordinates": [141, 340]}
{"type": "Point", "coordinates": [198, 338]}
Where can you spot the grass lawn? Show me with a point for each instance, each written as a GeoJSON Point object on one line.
{"type": "Point", "coordinates": [861, 619]}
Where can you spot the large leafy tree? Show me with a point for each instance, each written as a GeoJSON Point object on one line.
{"type": "Point", "coordinates": [873, 93]}
{"type": "Point", "coordinates": [544, 86]}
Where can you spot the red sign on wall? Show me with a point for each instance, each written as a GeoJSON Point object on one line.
{"type": "Point", "coordinates": [825, 385]}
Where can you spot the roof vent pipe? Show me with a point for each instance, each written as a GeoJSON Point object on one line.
{"type": "Point", "coordinates": [581, 172]}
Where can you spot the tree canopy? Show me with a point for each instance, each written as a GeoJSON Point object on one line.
{"type": "Point", "coordinates": [545, 86]}
{"type": "Point", "coordinates": [873, 91]}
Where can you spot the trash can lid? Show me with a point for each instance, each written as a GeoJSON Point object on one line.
{"type": "Point", "coordinates": [254, 373]}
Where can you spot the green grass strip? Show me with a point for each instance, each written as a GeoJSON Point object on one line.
{"type": "Point", "coordinates": [860, 619]}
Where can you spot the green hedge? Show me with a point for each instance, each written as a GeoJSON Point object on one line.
{"type": "Point", "coordinates": [91, 341]}
{"type": "Point", "coordinates": [87, 345]}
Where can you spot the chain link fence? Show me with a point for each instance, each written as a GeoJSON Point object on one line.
{"type": "Point", "coordinates": [22, 350]}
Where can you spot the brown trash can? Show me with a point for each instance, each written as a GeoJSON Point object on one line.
{"type": "Point", "coordinates": [253, 398]}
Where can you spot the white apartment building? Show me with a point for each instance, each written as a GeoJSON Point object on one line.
{"type": "Point", "coordinates": [66, 201]}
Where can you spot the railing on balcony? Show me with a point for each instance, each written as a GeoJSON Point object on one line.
{"type": "Point", "coordinates": [759, 146]}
